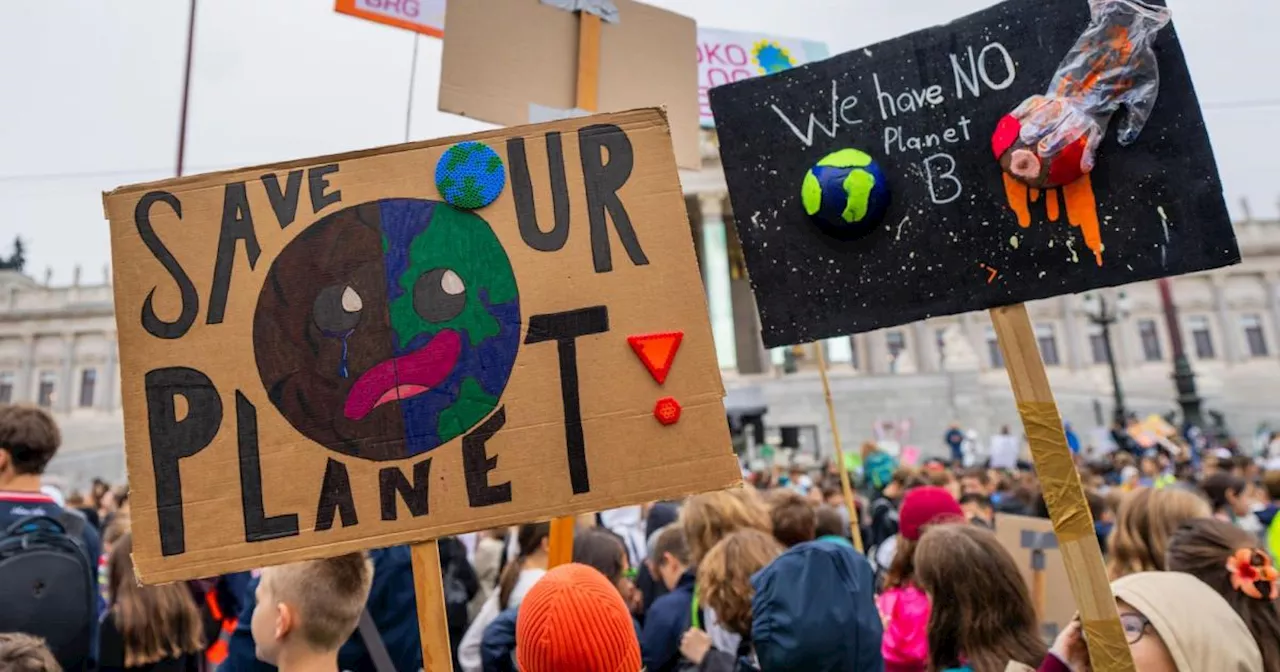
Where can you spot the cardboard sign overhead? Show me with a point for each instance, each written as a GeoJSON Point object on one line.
{"type": "Point", "coordinates": [726, 56]}
{"type": "Point", "coordinates": [503, 59]}
{"type": "Point", "coordinates": [393, 345]}
{"type": "Point", "coordinates": [420, 16]}
{"type": "Point", "coordinates": [1022, 536]}
{"type": "Point", "coordinates": [955, 235]}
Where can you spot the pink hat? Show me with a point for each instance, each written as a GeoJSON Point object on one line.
{"type": "Point", "coordinates": [923, 506]}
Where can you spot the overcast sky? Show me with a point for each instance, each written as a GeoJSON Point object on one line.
{"type": "Point", "coordinates": [90, 91]}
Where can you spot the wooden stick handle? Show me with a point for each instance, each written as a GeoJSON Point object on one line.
{"type": "Point", "coordinates": [855, 529]}
{"type": "Point", "coordinates": [433, 623]}
{"type": "Point", "coordinates": [560, 551]}
{"type": "Point", "coordinates": [1063, 493]}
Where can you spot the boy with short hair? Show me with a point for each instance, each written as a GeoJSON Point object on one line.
{"type": "Point", "coordinates": [24, 653]}
{"type": "Point", "coordinates": [307, 610]}
{"type": "Point", "coordinates": [670, 615]}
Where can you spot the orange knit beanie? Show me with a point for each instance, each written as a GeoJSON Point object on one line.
{"type": "Point", "coordinates": [574, 620]}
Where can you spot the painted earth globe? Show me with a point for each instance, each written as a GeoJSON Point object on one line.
{"type": "Point", "coordinates": [469, 175]}
{"type": "Point", "coordinates": [846, 193]}
{"type": "Point", "coordinates": [388, 328]}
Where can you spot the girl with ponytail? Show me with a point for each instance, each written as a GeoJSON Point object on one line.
{"type": "Point", "coordinates": [1230, 561]}
{"type": "Point", "coordinates": [516, 579]}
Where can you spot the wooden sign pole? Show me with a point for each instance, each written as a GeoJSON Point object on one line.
{"type": "Point", "coordinates": [433, 623]}
{"type": "Point", "coordinates": [560, 551]}
{"type": "Point", "coordinates": [855, 530]}
{"type": "Point", "coordinates": [1063, 493]}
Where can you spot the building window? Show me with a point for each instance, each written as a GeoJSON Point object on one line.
{"type": "Point", "coordinates": [6, 387]}
{"type": "Point", "coordinates": [88, 381]}
{"type": "Point", "coordinates": [1048, 344]}
{"type": "Point", "coordinates": [1253, 335]}
{"type": "Point", "coordinates": [1098, 344]}
{"type": "Point", "coordinates": [993, 349]}
{"type": "Point", "coordinates": [896, 342]}
{"type": "Point", "coordinates": [46, 394]}
{"type": "Point", "coordinates": [1150, 340]}
{"type": "Point", "coordinates": [1199, 328]}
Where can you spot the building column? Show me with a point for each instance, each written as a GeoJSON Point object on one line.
{"type": "Point", "coordinates": [976, 338]}
{"type": "Point", "coordinates": [877, 353]}
{"type": "Point", "coordinates": [715, 276]}
{"type": "Point", "coordinates": [24, 391]}
{"type": "Point", "coordinates": [839, 350]}
{"type": "Point", "coordinates": [1226, 329]}
{"type": "Point", "coordinates": [1271, 281]}
{"type": "Point", "coordinates": [66, 380]}
{"type": "Point", "coordinates": [108, 381]}
{"type": "Point", "coordinates": [926, 348]}
{"type": "Point", "coordinates": [1071, 330]}
{"type": "Point", "coordinates": [862, 344]}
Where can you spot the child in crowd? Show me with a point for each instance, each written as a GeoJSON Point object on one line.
{"type": "Point", "coordinates": [1103, 519]}
{"type": "Point", "coordinates": [793, 518]}
{"type": "Point", "coordinates": [976, 481]}
{"type": "Point", "coordinates": [884, 516]}
{"type": "Point", "coordinates": [830, 525]}
{"type": "Point", "coordinates": [24, 653]}
{"type": "Point", "coordinates": [574, 620]}
{"type": "Point", "coordinates": [517, 578]}
{"type": "Point", "coordinates": [981, 616]}
{"type": "Point", "coordinates": [1173, 623]}
{"type": "Point", "coordinates": [1228, 494]}
{"type": "Point", "coordinates": [978, 510]}
{"type": "Point", "coordinates": [724, 579]}
{"type": "Point", "coordinates": [1144, 523]}
{"type": "Point", "coordinates": [490, 547]}
{"type": "Point", "coordinates": [814, 610]}
{"type": "Point", "coordinates": [903, 606]}
{"type": "Point", "coordinates": [147, 627]}
{"type": "Point", "coordinates": [1227, 559]}
{"type": "Point", "coordinates": [306, 610]}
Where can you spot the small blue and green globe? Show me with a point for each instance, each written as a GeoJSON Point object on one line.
{"type": "Point", "coordinates": [846, 193]}
{"type": "Point", "coordinates": [470, 175]}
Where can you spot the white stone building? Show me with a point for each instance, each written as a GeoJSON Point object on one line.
{"type": "Point", "coordinates": [58, 349]}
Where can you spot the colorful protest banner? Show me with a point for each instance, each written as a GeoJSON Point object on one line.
{"type": "Point", "coordinates": [954, 237]}
{"type": "Point", "coordinates": [508, 61]}
{"type": "Point", "coordinates": [726, 56]}
{"type": "Point", "coordinates": [393, 345]}
{"type": "Point", "coordinates": [968, 167]}
{"type": "Point", "coordinates": [421, 16]}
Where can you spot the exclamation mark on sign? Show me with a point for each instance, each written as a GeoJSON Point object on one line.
{"type": "Point", "coordinates": [657, 352]}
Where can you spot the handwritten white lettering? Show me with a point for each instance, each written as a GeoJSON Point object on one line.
{"type": "Point", "coordinates": [839, 111]}
{"type": "Point", "coordinates": [949, 174]}
{"type": "Point", "coordinates": [977, 73]}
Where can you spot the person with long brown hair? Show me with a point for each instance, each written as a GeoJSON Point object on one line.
{"type": "Point", "coordinates": [981, 617]}
{"type": "Point", "coordinates": [725, 580]}
{"type": "Point", "coordinates": [515, 580]}
{"type": "Point", "coordinates": [155, 628]}
{"type": "Point", "coordinates": [1229, 560]}
{"type": "Point", "coordinates": [1144, 523]}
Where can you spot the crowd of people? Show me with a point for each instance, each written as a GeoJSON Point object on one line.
{"type": "Point", "coordinates": [767, 577]}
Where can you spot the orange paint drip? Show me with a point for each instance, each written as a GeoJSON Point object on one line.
{"type": "Point", "coordinates": [1035, 195]}
{"type": "Point", "coordinates": [1051, 204]}
{"type": "Point", "coordinates": [1016, 193]}
{"type": "Point", "coordinates": [1082, 211]}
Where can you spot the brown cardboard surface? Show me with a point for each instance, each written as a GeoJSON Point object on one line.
{"type": "Point", "coordinates": [1059, 606]}
{"type": "Point", "coordinates": [629, 456]}
{"type": "Point", "coordinates": [502, 55]}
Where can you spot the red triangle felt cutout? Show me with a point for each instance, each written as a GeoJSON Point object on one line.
{"type": "Point", "coordinates": [657, 352]}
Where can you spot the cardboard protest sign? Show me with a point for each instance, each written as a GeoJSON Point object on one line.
{"type": "Point", "coordinates": [726, 56]}
{"type": "Point", "coordinates": [954, 234]}
{"type": "Point", "coordinates": [421, 16]}
{"type": "Point", "coordinates": [393, 345]}
{"type": "Point", "coordinates": [505, 61]}
{"type": "Point", "coordinates": [1034, 547]}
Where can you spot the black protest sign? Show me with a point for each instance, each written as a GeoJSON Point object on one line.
{"type": "Point", "coordinates": [956, 235]}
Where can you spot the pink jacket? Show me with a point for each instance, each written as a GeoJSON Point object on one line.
{"type": "Point", "coordinates": [905, 614]}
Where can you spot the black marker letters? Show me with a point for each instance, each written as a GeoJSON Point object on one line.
{"type": "Point", "coordinates": [318, 182]}
{"type": "Point", "coordinates": [285, 203]}
{"type": "Point", "coordinates": [174, 438]}
{"type": "Point", "coordinates": [564, 329]}
{"type": "Point", "coordinates": [237, 224]}
{"type": "Point", "coordinates": [392, 482]}
{"type": "Point", "coordinates": [257, 525]}
{"type": "Point", "coordinates": [603, 178]}
{"type": "Point", "coordinates": [335, 493]}
{"type": "Point", "coordinates": [522, 193]}
{"type": "Point", "coordinates": [477, 464]}
{"type": "Point", "coordinates": [190, 300]}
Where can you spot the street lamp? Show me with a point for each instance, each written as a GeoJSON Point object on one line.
{"type": "Point", "coordinates": [1105, 313]}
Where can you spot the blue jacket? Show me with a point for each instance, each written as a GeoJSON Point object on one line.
{"type": "Point", "coordinates": [391, 604]}
{"type": "Point", "coordinates": [498, 645]}
{"type": "Point", "coordinates": [814, 610]}
{"type": "Point", "coordinates": [664, 624]}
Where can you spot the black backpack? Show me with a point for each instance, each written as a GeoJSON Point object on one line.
{"type": "Point", "coordinates": [48, 587]}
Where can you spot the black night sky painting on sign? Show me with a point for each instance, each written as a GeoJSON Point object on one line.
{"type": "Point", "coordinates": [867, 192]}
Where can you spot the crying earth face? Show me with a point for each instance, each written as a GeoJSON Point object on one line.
{"type": "Point", "coordinates": [388, 328]}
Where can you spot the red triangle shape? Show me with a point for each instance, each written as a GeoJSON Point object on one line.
{"type": "Point", "coordinates": [657, 352]}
